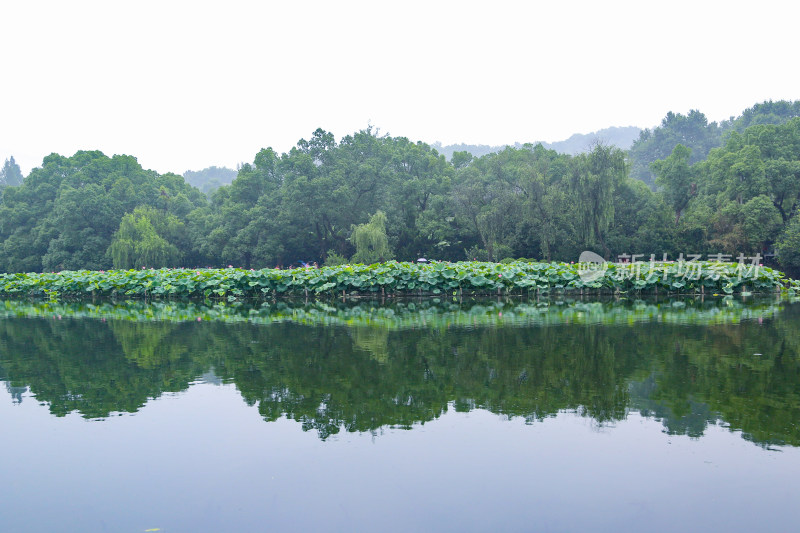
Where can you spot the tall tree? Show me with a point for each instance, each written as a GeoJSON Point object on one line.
{"type": "Point", "coordinates": [488, 199]}
{"type": "Point", "coordinates": [595, 177]}
{"type": "Point", "coordinates": [10, 174]}
{"type": "Point", "coordinates": [413, 178]}
{"type": "Point", "coordinates": [788, 247]}
{"type": "Point", "coordinates": [674, 178]}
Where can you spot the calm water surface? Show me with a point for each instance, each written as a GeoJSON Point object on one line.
{"type": "Point", "coordinates": [564, 416]}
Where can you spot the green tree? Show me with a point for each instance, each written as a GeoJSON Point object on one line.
{"type": "Point", "coordinates": [643, 222]}
{"type": "Point", "coordinates": [674, 177]}
{"type": "Point", "coordinates": [692, 131]}
{"type": "Point", "coordinates": [461, 159]}
{"type": "Point", "coordinates": [414, 178]}
{"type": "Point", "coordinates": [370, 240]}
{"type": "Point", "coordinates": [746, 190]}
{"type": "Point", "coordinates": [10, 174]}
{"type": "Point", "coordinates": [761, 223]}
{"type": "Point", "coordinates": [546, 221]}
{"type": "Point", "coordinates": [595, 177]}
{"type": "Point", "coordinates": [787, 247]}
{"type": "Point", "coordinates": [65, 213]}
{"type": "Point", "coordinates": [767, 112]}
{"type": "Point", "coordinates": [142, 240]}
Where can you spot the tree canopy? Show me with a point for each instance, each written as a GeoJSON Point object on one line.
{"type": "Point", "coordinates": [702, 188]}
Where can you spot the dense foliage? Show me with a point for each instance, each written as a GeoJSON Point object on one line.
{"type": "Point", "coordinates": [66, 212]}
{"type": "Point", "coordinates": [395, 278]}
{"type": "Point", "coordinates": [695, 132]}
{"type": "Point", "coordinates": [731, 188]}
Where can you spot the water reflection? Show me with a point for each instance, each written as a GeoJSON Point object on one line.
{"type": "Point", "coordinates": [362, 367]}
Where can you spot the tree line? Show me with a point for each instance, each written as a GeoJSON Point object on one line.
{"type": "Point", "coordinates": [712, 189]}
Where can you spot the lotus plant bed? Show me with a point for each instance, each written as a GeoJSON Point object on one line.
{"type": "Point", "coordinates": [393, 279]}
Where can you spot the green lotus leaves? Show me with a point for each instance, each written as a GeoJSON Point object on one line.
{"type": "Point", "coordinates": [393, 278]}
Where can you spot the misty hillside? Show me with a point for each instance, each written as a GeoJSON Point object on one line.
{"type": "Point", "coordinates": [621, 137]}
{"type": "Point", "coordinates": [209, 178]}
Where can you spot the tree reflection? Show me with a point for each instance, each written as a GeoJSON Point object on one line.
{"type": "Point", "coordinates": [364, 377]}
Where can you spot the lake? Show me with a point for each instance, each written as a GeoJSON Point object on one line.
{"type": "Point", "coordinates": [428, 415]}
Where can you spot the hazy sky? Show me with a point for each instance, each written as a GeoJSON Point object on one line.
{"type": "Point", "coordinates": [185, 85]}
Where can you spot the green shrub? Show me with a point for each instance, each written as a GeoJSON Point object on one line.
{"type": "Point", "coordinates": [335, 259]}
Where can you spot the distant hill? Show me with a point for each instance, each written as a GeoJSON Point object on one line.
{"type": "Point", "coordinates": [210, 178]}
{"type": "Point", "coordinates": [621, 137]}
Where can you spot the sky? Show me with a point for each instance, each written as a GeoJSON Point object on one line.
{"type": "Point", "coordinates": [186, 85]}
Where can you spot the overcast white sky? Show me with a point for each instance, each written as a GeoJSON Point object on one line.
{"type": "Point", "coordinates": [185, 85]}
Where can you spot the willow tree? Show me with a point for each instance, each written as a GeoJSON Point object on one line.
{"type": "Point", "coordinates": [370, 240]}
{"type": "Point", "coordinates": [141, 240]}
{"type": "Point", "coordinates": [595, 177]}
